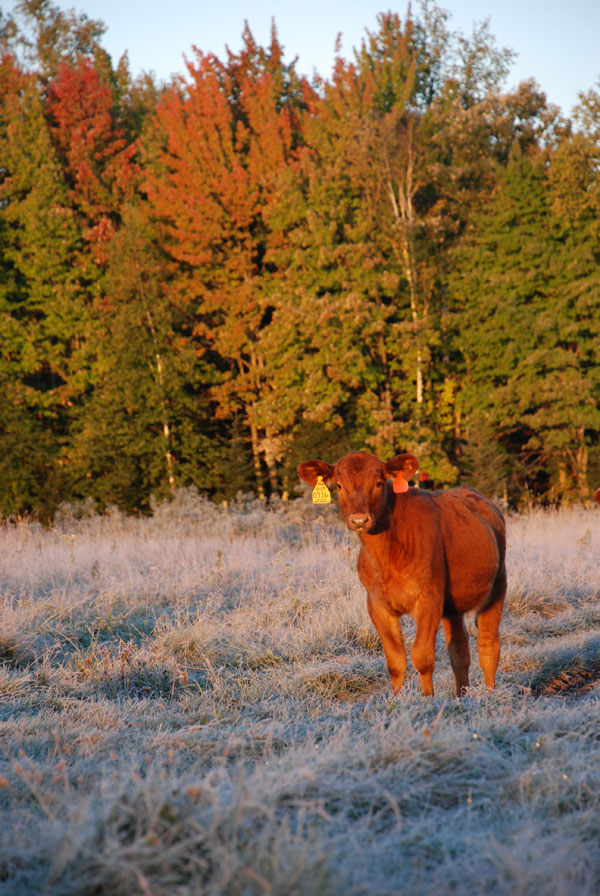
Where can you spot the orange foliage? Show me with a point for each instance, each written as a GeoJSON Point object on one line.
{"type": "Point", "coordinates": [94, 150]}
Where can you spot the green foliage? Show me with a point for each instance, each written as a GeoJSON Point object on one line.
{"type": "Point", "coordinates": [43, 36]}
{"type": "Point", "coordinates": [528, 311]}
{"type": "Point", "coordinates": [204, 284]}
{"type": "Point", "coordinates": [41, 309]}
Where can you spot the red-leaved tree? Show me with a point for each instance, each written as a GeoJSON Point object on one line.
{"type": "Point", "coordinates": [228, 136]}
{"type": "Point", "coordinates": [98, 160]}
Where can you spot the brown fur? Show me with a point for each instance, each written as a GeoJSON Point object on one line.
{"type": "Point", "coordinates": [597, 495]}
{"type": "Point", "coordinates": [433, 555]}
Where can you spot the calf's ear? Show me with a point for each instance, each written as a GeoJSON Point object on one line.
{"type": "Point", "coordinates": [407, 464]}
{"type": "Point", "coordinates": [310, 471]}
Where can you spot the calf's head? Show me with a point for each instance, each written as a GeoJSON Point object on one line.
{"type": "Point", "coordinates": [360, 479]}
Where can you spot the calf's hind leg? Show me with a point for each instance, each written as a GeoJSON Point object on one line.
{"type": "Point", "coordinates": [488, 639]}
{"type": "Point", "coordinates": [457, 643]}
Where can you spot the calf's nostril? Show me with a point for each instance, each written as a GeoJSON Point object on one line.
{"type": "Point", "coordinates": [359, 519]}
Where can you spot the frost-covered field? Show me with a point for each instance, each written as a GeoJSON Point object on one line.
{"type": "Point", "coordinates": [197, 703]}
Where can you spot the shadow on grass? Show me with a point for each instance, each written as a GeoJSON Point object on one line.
{"type": "Point", "coordinates": [569, 672]}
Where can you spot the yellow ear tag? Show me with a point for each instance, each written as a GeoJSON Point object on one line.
{"type": "Point", "coordinates": [321, 494]}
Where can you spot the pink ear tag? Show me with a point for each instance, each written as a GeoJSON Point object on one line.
{"type": "Point", "coordinates": [400, 484]}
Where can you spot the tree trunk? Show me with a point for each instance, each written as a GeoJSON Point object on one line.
{"type": "Point", "coordinates": [401, 199]}
{"type": "Point", "coordinates": [562, 478]}
{"type": "Point", "coordinates": [165, 425]}
{"type": "Point", "coordinates": [271, 466]}
{"type": "Point", "coordinates": [166, 428]}
{"type": "Point", "coordinates": [256, 459]}
{"type": "Point", "coordinates": [388, 411]}
{"type": "Point", "coordinates": [581, 466]}
{"type": "Point", "coordinates": [457, 427]}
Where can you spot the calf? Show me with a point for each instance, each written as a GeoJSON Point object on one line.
{"type": "Point", "coordinates": [433, 555]}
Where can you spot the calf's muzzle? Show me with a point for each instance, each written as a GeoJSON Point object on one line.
{"type": "Point", "coordinates": [359, 521]}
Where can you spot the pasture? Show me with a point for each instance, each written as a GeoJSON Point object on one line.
{"type": "Point", "coordinates": [196, 702]}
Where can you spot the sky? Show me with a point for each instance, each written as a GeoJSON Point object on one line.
{"type": "Point", "coordinates": [557, 42]}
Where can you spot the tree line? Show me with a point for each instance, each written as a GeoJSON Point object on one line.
{"type": "Point", "coordinates": [204, 282]}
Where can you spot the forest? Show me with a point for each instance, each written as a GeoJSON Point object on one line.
{"type": "Point", "coordinates": [205, 282]}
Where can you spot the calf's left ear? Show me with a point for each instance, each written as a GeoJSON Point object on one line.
{"type": "Point", "coordinates": [310, 471]}
{"type": "Point", "coordinates": [406, 464]}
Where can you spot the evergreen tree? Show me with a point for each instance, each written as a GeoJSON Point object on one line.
{"type": "Point", "coordinates": [40, 311]}
{"type": "Point", "coordinates": [573, 180]}
{"type": "Point", "coordinates": [145, 428]}
{"type": "Point", "coordinates": [528, 332]}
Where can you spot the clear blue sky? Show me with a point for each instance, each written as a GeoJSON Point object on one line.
{"type": "Point", "coordinates": [558, 43]}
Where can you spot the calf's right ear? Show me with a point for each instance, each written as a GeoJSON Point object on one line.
{"type": "Point", "coordinates": [310, 471]}
{"type": "Point", "coordinates": [407, 464]}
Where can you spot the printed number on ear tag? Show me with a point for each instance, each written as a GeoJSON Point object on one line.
{"type": "Point", "coordinates": [400, 484]}
{"type": "Point", "coordinates": [321, 494]}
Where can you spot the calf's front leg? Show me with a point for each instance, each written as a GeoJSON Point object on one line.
{"type": "Point", "coordinates": [388, 628]}
{"type": "Point", "coordinates": [427, 618]}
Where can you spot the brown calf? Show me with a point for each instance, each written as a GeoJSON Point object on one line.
{"type": "Point", "coordinates": [433, 555]}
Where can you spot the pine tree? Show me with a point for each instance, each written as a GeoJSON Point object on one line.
{"type": "Point", "coordinates": [528, 332]}
{"type": "Point", "coordinates": [68, 168]}
{"type": "Point", "coordinates": [573, 181]}
{"type": "Point", "coordinates": [40, 312]}
{"type": "Point", "coordinates": [145, 428]}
